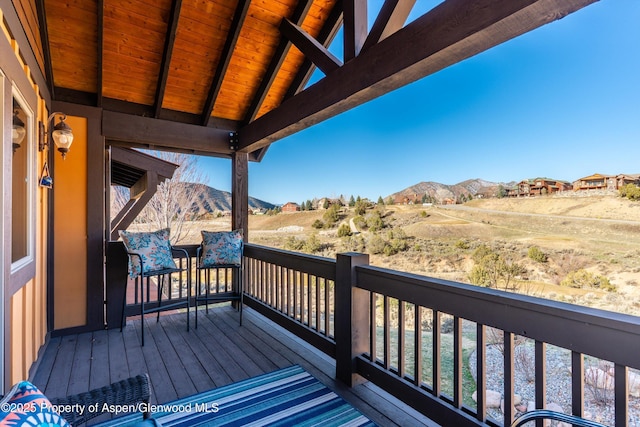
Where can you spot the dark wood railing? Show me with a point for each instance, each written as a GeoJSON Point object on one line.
{"type": "Point", "coordinates": [295, 290]}
{"type": "Point", "coordinates": [414, 335]}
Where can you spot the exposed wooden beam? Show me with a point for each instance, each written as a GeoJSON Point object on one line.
{"type": "Point", "coordinates": [355, 27]}
{"type": "Point", "coordinates": [392, 17]}
{"type": "Point", "coordinates": [163, 168]}
{"type": "Point", "coordinates": [328, 32]}
{"type": "Point", "coordinates": [310, 47]}
{"type": "Point", "coordinates": [240, 194]}
{"type": "Point", "coordinates": [149, 182]}
{"type": "Point", "coordinates": [44, 40]}
{"type": "Point", "coordinates": [169, 41]}
{"type": "Point", "coordinates": [164, 135]}
{"type": "Point", "coordinates": [449, 33]}
{"type": "Point", "coordinates": [276, 62]}
{"type": "Point", "coordinates": [225, 58]}
{"type": "Point", "coordinates": [100, 43]}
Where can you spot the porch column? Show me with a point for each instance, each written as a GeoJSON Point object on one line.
{"type": "Point", "coordinates": [240, 193]}
{"type": "Point", "coordinates": [351, 316]}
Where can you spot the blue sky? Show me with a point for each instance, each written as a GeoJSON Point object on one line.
{"type": "Point", "coordinates": [562, 102]}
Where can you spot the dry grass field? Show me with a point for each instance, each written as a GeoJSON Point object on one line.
{"type": "Point", "coordinates": [599, 234]}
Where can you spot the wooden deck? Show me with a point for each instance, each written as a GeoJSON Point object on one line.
{"type": "Point", "coordinates": [182, 363]}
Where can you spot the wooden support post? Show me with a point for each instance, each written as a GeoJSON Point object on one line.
{"type": "Point", "coordinates": [351, 317]}
{"type": "Point", "coordinates": [240, 193]}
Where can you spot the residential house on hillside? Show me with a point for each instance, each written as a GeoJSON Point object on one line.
{"type": "Point", "coordinates": [605, 182]}
{"type": "Point", "coordinates": [538, 187]}
{"type": "Point", "coordinates": [290, 207]}
{"type": "Point", "coordinates": [624, 179]}
{"type": "Point", "coordinates": [407, 199]}
{"type": "Point", "coordinates": [326, 202]}
{"type": "Point", "coordinates": [596, 182]}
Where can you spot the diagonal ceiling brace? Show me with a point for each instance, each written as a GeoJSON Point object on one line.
{"type": "Point", "coordinates": [310, 47]}
{"type": "Point", "coordinates": [355, 27]}
{"type": "Point", "coordinates": [392, 17]}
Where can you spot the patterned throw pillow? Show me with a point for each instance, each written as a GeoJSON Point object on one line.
{"type": "Point", "coordinates": [221, 248]}
{"type": "Point", "coordinates": [25, 405]}
{"type": "Point", "coordinates": [154, 249]}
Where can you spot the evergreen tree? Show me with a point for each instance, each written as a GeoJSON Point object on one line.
{"type": "Point", "coordinates": [352, 201]}
{"type": "Point", "coordinates": [380, 201]}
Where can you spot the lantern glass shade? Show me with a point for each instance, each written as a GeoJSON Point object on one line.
{"type": "Point", "coordinates": [18, 131]}
{"type": "Point", "coordinates": [62, 136]}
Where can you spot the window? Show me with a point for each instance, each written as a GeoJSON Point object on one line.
{"type": "Point", "coordinates": [22, 174]}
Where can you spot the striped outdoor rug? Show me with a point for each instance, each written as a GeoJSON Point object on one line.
{"type": "Point", "coordinates": [287, 397]}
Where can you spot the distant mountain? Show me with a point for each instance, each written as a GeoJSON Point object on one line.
{"type": "Point", "coordinates": [212, 200]}
{"type": "Point", "coordinates": [441, 192]}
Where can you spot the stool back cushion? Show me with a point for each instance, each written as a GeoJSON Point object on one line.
{"type": "Point", "coordinates": [221, 248]}
{"type": "Point", "coordinates": [26, 405]}
{"type": "Point", "coordinates": [154, 248]}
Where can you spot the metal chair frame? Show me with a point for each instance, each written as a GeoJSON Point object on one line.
{"type": "Point", "coordinates": [161, 275]}
{"type": "Point", "coordinates": [208, 297]}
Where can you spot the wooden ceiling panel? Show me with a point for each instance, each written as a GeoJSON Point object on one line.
{"type": "Point", "coordinates": [200, 38]}
{"type": "Point", "coordinates": [73, 39]}
{"type": "Point", "coordinates": [134, 34]}
{"type": "Point", "coordinates": [256, 44]}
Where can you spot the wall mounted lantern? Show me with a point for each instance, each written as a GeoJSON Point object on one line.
{"type": "Point", "coordinates": [18, 131]}
{"type": "Point", "coordinates": [60, 133]}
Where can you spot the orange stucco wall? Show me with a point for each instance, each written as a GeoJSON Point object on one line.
{"type": "Point", "coordinates": [70, 230]}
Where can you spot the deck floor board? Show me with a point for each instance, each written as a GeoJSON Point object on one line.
{"type": "Point", "coordinates": [181, 362]}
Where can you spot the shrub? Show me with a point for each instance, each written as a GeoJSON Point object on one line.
{"type": "Point", "coordinates": [374, 222]}
{"type": "Point", "coordinates": [344, 230]}
{"type": "Point", "coordinates": [586, 279]}
{"type": "Point", "coordinates": [630, 191]}
{"type": "Point", "coordinates": [376, 244]}
{"type": "Point", "coordinates": [293, 244]}
{"type": "Point", "coordinates": [462, 244]}
{"type": "Point", "coordinates": [331, 215]}
{"type": "Point", "coordinates": [353, 244]}
{"type": "Point", "coordinates": [317, 224]}
{"type": "Point", "coordinates": [359, 222]}
{"type": "Point", "coordinates": [537, 255]}
{"type": "Point", "coordinates": [312, 245]}
{"type": "Point", "coordinates": [482, 252]}
{"type": "Point", "coordinates": [360, 207]}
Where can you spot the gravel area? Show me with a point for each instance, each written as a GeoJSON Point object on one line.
{"type": "Point", "coordinates": [599, 405]}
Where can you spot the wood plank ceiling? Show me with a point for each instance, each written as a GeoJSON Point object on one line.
{"type": "Point", "coordinates": [238, 66]}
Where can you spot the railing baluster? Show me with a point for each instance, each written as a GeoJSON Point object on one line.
{"type": "Point", "coordinates": [387, 334]}
{"type": "Point", "coordinates": [294, 294]}
{"type": "Point", "coordinates": [418, 346]}
{"type": "Point", "coordinates": [309, 300]}
{"type": "Point", "coordinates": [436, 362]}
{"type": "Point", "coordinates": [621, 373]}
{"type": "Point", "coordinates": [327, 309]}
{"type": "Point", "coordinates": [577, 383]}
{"type": "Point", "coordinates": [541, 377]}
{"type": "Point", "coordinates": [318, 301]}
{"type": "Point", "coordinates": [288, 291]}
{"type": "Point", "coordinates": [457, 362]}
{"type": "Point", "coordinates": [373, 332]}
{"type": "Point", "coordinates": [401, 339]}
{"type": "Point", "coordinates": [508, 346]}
{"type": "Point", "coordinates": [481, 352]}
